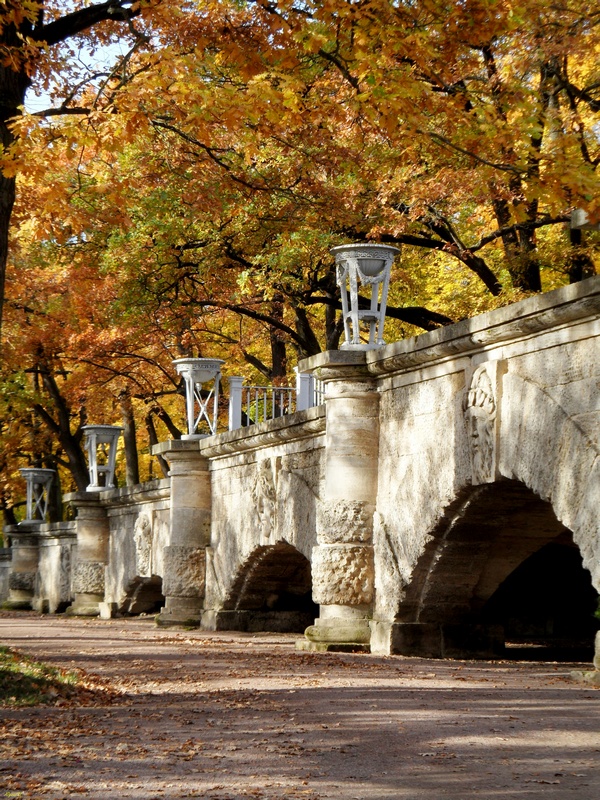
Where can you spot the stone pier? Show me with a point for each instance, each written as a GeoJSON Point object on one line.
{"type": "Point", "coordinates": [88, 572]}
{"type": "Point", "coordinates": [184, 557]}
{"type": "Point", "coordinates": [24, 540]}
{"type": "Point", "coordinates": [343, 560]}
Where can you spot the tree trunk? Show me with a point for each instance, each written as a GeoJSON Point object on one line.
{"type": "Point", "coordinates": [153, 439]}
{"type": "Point", "coordinates": [7, 511]}
{"type": "Point", "coordinates": [61, 426]}
{"type": "Point", "coordinates": [55, 503]}
{"type": "Point", "coordinates": [277, 337]}
{"type": "Point", "coordinates": [520, 250]}
{"type": "Point", "coordinates": [18, 63]}
{"type": "Point", "coordinates": [132, 469]}
{"type": "Point", "coordinates": [304, 328]}
{"type": "Point", "coordinates": [580, 264]}
{"type": "Point", "coordinates": [13, 85]}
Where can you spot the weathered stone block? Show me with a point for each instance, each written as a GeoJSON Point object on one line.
{"type": "Point", "coordinates": [343, 574]}
{"type": "Point", "coordinates": [22, 581]}
{"type": "Point", "coordinates": [357, 632]}
{"type": "Point", "coordinates": [108, 610]}
{"type": "Point", "coordinates": [190, 525]}
{"type": "Point", "coordinates": [344, 521]}
{"type": "Point", "coordinates": [185, 571]}
{"type": "Point", "coordinates": [88, 578]}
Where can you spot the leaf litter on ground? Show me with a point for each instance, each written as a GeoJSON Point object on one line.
{"type": "Point", "coordinates": [26, 682]}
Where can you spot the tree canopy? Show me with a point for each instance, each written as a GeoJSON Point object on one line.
{"type": "Point", "coordinates": [185, 200]}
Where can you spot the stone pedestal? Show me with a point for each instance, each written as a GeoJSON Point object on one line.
{"type": "Point", "coordinates": [185, 556]}
{"type": "Point", "coordinates": [87, 578]}
{"type": "Point", "coordinates": [343, 562]}
{"type": "Point", "coordinates": [24, 564]}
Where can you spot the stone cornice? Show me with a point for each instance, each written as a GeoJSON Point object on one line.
{"type": "Point", "coordinates": [538, 314]}
{"type": "Point", "coordinates": [301, 425]}
{"type": "Point", "coordinates": [177, 446]}
{"type": "Point", "coordinates": [58, 530]}
{"type": "Point", "coordinates": [42, 530]}
{"type": "Point", "coordinates": [127, 495]}
{"type": "Point", "coordinates": [337, 364]}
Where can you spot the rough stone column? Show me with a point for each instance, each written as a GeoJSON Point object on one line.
{"type": "Point", "coordinates": [184, 571]}
{"type": "Point", "coordinates": [91, 558]}
{"type": "Point", "coordinates": [343, 562]}
{"type": "Point", "coordinates": [24, 564]}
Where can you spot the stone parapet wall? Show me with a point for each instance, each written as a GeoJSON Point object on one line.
{"type": "Point", "coordinates": [436, 466]}
{"type": "Point", "coordinates": [266, 482]}
{"type": "Point", "coordinates": [509, 396]}
{"type": "Point", "coordinates": [138, 520]}
{"type": "Point", "coordinates": [45, 575]}
{"type": "Point", "coordinates": [57, 547]}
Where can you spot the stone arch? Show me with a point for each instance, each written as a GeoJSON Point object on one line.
{"type": "Point", "coordinates": [557, 456]}
{"type": "Point", "coordinates": [272, 591]}
{"type": "Point", "coordinates": [545, 491]}
{"type": "Point", "coordinates": [143, 595]}
{"type": "Point", "coordinates": [484, 537]}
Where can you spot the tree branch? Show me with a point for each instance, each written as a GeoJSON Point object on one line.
{"type": "Point", "coordinates": [530, 226]}
{"type": "Point", "coordinates": [78, 21]}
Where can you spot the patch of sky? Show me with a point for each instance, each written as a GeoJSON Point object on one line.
{"type": "Point", "coordinates": [90, 64]}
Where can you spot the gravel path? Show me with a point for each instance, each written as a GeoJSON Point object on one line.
{"type": "Point", "coordinates": [227, 716]}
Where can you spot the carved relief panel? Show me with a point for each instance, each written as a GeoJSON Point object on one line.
{"type": "Point", "coordinates": [481, 417]}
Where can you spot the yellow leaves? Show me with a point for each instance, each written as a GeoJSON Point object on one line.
{"type": "Point", "coordinates": [314, 42]}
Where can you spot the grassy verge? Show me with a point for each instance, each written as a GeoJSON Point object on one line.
{"type": "Point", "coordinates": [25, 682]}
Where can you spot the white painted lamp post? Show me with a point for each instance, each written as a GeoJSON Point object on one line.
{"type": "Point", "coordinates": [196, 372]}
{"type": "Point", "coordinates": [370, 265]}
{"type": "Point", "coordinates": [101, 445]}
{"type": "Point", "coordinates": [38, 482]}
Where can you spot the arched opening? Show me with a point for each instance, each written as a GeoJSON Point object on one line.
{"type": "Point", "coordinates": [547, 605]}
{"type": "Point", "coordinates": [272, 592]}
{"type": "Point", "coordinates": [143, 596]}
{"type": "Point", "coordinates": [499, 568]}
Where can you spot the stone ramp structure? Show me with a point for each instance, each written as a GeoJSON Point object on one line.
{"type": "Point", "coordinates": [445, 496]}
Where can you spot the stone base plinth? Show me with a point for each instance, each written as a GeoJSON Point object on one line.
{"type": "Point", "coordinates": [331, 647]}
{"type": "Point", "coordinates": [592, 677]}
{"type": "Point", "coordinates": [41, 605]}
{"type": "Point", "coordinates": [255, 621]}
{"type": "Point", "coordinates": [183, 612]}
{"type": "Point", "coordinates": [21, 592]}
{"type": "Point", "coordinates": [16, 603]}
{"type": "Point", "coordinates": [338, 629]}
{"type": "Point", "coordinates": [108, 610]}
{"type": "Point", "coordinates": [433, 640]}
{"type": "Point", "coordinates": [85, 604]}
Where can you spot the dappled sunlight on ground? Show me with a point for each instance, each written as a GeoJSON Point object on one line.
{"type": "Point", "coordinates": [227, 716]}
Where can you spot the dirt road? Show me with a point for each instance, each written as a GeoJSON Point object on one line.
{"type": "Point", "coordinates": [231, 716]}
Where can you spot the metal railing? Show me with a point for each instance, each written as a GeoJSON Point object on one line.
{"type": "Point", "coordinates": [249, 405]}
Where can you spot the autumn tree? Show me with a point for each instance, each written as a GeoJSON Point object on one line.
{"type": "Point", "coordinates": [457, 128]}
{"type": "Point", "coordinates": [34, 35]}
{"type": "Point", "coordinates": [464, 129]}
{"type": "Point", "coordinates": [203, 187]}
